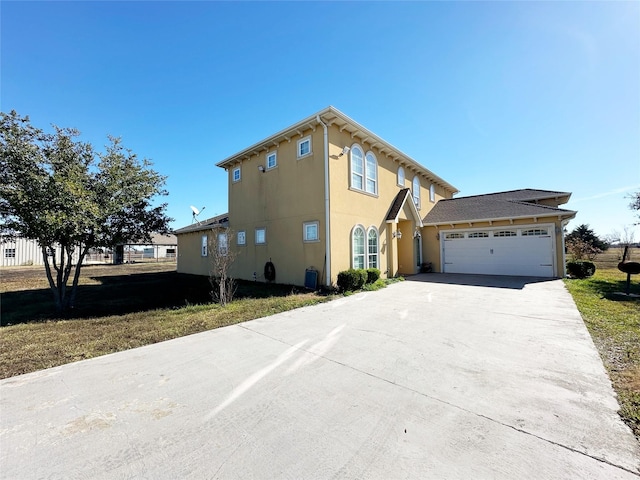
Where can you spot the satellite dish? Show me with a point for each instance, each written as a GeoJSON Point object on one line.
{"type": "Point", "coordinates": [196, 212]}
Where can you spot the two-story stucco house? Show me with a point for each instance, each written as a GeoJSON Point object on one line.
{"type": "Point", "coordinates": [328, 194]}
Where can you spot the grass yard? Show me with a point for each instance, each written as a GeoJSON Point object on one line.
{"type": "Point", "coordinates": [120, 307]}
{"type": "Point", "coordinates": [614, 323]}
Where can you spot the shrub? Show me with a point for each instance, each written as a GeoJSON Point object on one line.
{"type": "Point", "coordinates": [373, 274]}
{"type": "Point", "coordinates": [581, 269]}
{"type": "Point", "coordinates": [352, 279]}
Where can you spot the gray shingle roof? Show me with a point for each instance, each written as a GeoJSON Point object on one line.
{"type": "Point", "coordinates": [209, 223]}
{"type": "Point", "coordinates": [494, 206]}
{"type": "Point", "coordinates": [397, 204]}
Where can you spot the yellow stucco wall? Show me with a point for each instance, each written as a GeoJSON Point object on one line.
{"type": "Point", "coordinates": [190, 259]}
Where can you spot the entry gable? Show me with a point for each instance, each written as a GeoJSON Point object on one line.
{"type": "Point", "coordinates": [400, 204]}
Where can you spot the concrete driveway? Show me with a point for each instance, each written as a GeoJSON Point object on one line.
{"type": "Point", "coordinates": [440, 376]}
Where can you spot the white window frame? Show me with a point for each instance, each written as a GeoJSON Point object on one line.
{"type": "Point", "coordinates": [369, 175]}
{"type": "Point", "coordinates": [305, 232]}
{"type": "Point", "coordinates": [432, 193]}
{"type": "Point", "coordinates": [204, 250]}
{"type": "Point", "coordinates": [9, 253]}
{"type": "Point", "coordinates": [369, 264]}
{"type": "Point", "coordinates": [270, 155]}
{"type": "Point", "coordinates": [300, 143]}
{"type": "Point", "coordinates": [352, 171]}
{"type": "Point", "coordinates": [241, 238]}
{"type": "Point", "coordinates": [415, 192]}
{"type": "Point", "coordinates": [400, 177]}
{"type": "Point", "coordinates": [233, 174]}
{"type": "Point", "coordinates": [353, 247]}
{"type": "Point", "coordinates": [223, 244]}
{"type": "Point", "coordinates": [263, 231]}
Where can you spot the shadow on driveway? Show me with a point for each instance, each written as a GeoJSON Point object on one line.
{"type": "Point", "coordinates": [495, 281]}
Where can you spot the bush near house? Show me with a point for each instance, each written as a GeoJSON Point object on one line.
{"type": "Point", "coordinates": [581, 269]}
{"type": "Point", "coordinates": [373, 274]}
{"type": "Point", "coordinates": [352, 279]}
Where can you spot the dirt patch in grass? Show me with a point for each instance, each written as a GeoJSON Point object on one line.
{"type": "Point", "coordinates": [614, 323]}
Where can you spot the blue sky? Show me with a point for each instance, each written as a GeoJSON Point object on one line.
{"type": "Point", "coordinates": [490, 96]}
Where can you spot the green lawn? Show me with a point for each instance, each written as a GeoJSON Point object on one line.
{"type": "Point", "coordinates": [614, 323]}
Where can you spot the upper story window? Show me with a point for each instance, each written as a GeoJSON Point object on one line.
{"type": "Point", "coordinates": [364, 171]}
{"type": "Point", "coordinates": [236, 174]}
{"type": "Point", "coordinates": [416, 191]}
{"type": "Point", "coordinates": [401, 176]}
{"type": "Point", "coordinates": [371, 170]}
{"type": "Point", "coordinates": [304, 147]}
{"type": "Point", "coordinates": [272, 160]}
{"type": "Point", "coordinates": [205, 245]}
{"type": "Point", "coordinates": [357, 168]}
{"type": "Point", "coordinates": [432, 193]}
{"type": "Point", "coordinates": [242, 238]}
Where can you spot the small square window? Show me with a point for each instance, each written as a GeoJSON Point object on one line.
{"type": "Point", "coordinates": [205, 245]}
{"type": "Point", "coordinates": [261, 236]}
{"type": "Point", "coordinates": [10, 253]}
{"type": "Point", "coordinates": [304, 147]}
{"type": "Point", "coordinates": [272, 160]}
{"type": "Point", "coordinates": [242, 238]}
{"type": "Point", "coordinates": [236, 174]}
{"type": "Point", "coordinates": [310, 232]}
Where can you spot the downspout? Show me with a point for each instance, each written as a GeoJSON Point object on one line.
{"type": "Point", "coordinates": [326, 202]}
{"type": "Point", "coordinates": [564, 249]}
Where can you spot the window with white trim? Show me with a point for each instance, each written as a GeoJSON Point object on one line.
{"type": "Point", "coordinates": [478, 235]}
{"type": "Point", "coordinates": [505, 233]}
{"type": "Point", "coordinates": [310, 232]}
{"type": "Point", "coordinates": [242, 238]}
{"type": "Point", "coordinates": [372, 248]}
{"type": "Point", "coordinates": [205, 245]}
{"type": "Point", "coordinates": [357, 247]}
{"type": "Point", "coordinates": [453, 236]}
{"type": "Point", "coordinates": [535, 232]}
{"type": "Point", "coordinates": [432, 193]}
{"type": "Point", "coordinates": [304, 147]}
{"type": "Point", "coordinates": [415, 190]}
{"type": "Point", "coordinates": [272, 160]}
{"type": "Point", "coordinates": [371, 172]}
{"type": "Point", "coordinates": [236, 174]}
{"type": "Point", "coordinates": [223, 246]}
{"type": "Point", "coordinates": [401, 176]}
{"type": "Point", "coordinates": [261, 236]}
{"type": "Point", "coordinates": [9, 253]}
{"type": "Point", "coordinates": [357, 168]}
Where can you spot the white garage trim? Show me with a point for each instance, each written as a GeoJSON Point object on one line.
{"type": "Point", "coordinates": [524, 250]}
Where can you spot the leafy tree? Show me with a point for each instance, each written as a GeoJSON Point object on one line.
{"type": "Point", "coordinates": [55, 189]}
{"type": "Point", "coordinates": [586, 235]}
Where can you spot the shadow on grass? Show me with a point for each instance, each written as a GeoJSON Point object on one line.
{"type": "Point", "coordinates": [131, 293]}
{"type": "Point", "coordinates": [614, 289]}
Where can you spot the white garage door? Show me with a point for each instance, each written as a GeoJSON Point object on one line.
{"type": "Point", "coordinates": [524, 251]}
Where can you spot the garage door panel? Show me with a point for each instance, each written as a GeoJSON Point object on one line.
{"type": "Point", "coordinates": [512, 255]}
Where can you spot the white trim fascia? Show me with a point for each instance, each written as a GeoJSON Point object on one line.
{"type": "Point", "coordinates": [328, 115]}
{"type": "Point", "coordinates": [567, 215]}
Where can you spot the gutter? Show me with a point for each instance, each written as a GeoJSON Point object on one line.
{"type": "Point", "coordinates": [326, 202]}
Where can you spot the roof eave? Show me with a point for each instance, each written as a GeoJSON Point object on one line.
{"type": "Point", "coordinates": [329, 116]}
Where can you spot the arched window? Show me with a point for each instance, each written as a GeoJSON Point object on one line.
{"type": "Point", "coordinates": [357, 243]}
{"type": "Point", "coordinates": [371, 171]}
{"type": "Point", "coordinates": [416, 191]}
{"type": "Point", "coordinates": [432, 193]}
{"type": "Point", "coordinates": [357, 168]}
{"type": "Point", "coordinates": [401, 176]}
{"type": "Point", "coordinates": [372, 248]}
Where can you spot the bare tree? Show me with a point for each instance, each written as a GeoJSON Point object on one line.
{"type": "Point", "coordinates": [222, 257]}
